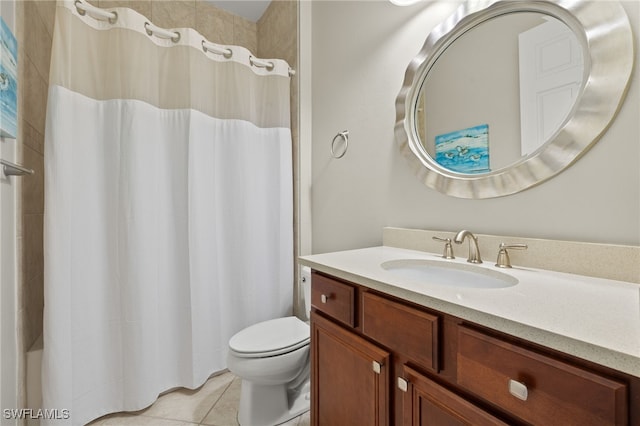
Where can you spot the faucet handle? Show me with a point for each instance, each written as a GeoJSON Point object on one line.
{"type": "Point", "coordinates": [503, 255]}
{"type": "Point", "coordinates": [448, 250]}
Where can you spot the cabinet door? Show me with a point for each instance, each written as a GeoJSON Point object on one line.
{"type": "Point", "coordinates": [426, 403]}
{"type": "Point", "coordinates": [350, 377]}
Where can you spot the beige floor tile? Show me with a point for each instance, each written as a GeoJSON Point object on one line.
{"type": "Point", "coordinates": [214, 404]}
{"type": "Point", "coordinates": [121, 419]}
{"type": "Point", "coordinates": [190, 405]}
{"type": "Point", "coordinates": [305, 419]}
{"type": "Point", "coordinates": [302, 420]}
{"type": "Point", "coordinates": [225, 411]}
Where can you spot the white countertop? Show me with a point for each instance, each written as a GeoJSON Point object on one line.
{"type": "Point", "coordinates": [591, 318]}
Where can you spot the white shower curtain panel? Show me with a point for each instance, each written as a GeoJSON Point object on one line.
{"type": "Point", "coordinates": [168, 215]}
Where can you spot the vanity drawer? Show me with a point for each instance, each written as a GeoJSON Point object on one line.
{"type": "Point", "coordinates": [550, 391]}
{"type": "Point", "coordinates": [334, 298]}
{"type": "Point", "coordinates": [409, 331]}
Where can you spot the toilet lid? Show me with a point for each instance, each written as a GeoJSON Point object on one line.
{"type": "Point", "coordinates": [271, 337]}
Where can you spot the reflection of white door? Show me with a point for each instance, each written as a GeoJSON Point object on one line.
{"type": "Point", "coordinates": [551, 70]}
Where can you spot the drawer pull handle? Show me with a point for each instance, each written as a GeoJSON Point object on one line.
{"type": "Point", "coordinates": [519, 390]}
{"type": "Point", "coordinates": [403, 385]}
{"type": "Point", "coordinates": [324, 298]}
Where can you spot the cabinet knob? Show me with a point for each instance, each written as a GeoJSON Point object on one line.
{"type": "Point", "coordinates": [519, 390]}
{"type": "Point", "coordinates": [324, 298]}
{"type": "Point", "coordinates": [403, 385]}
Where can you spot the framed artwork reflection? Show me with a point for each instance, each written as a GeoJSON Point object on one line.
{"type": "Point", "coordinates": [8, 82]}
{"type": "Point", "coordinates": [464, 151]}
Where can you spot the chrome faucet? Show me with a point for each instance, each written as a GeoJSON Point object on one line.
{"type": "Point", "coordinates": [474, 251]}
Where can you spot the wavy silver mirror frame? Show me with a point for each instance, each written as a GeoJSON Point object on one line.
{"type": "Point", "coordinates": [603, 29]}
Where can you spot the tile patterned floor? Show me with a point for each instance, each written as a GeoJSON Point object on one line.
{"type": "Point", "coordinates": [214, 404]}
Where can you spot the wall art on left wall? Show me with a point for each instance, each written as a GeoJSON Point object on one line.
{"type": "Point", "coordinates": [8, 82]}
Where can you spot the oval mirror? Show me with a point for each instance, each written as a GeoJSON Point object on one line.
{"type": "Point", "coordinates": [506, 95]}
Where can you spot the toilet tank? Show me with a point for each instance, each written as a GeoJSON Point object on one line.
{"type": "Point", "coordinates": [305, 285]}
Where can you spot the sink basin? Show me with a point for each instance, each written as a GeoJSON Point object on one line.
{"type": "Point", "coordinates": [449, 273]}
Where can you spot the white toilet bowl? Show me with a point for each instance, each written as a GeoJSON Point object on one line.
{"type": "Point", "coordinates": [272, 359]}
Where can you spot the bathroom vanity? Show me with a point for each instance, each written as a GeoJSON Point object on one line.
{"type": "Point", "coordinates": [405, 337]}
{"type": "Point", "coordinates": [391, 348]}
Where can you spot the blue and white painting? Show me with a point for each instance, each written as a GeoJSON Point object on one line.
{"type": "Point", "coordinates": [464, 151]}
{"type": "Point", "coordinates": [8, 82]}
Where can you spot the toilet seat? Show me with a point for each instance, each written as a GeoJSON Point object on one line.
{"type": "Point", "coordinates": [270, 338]}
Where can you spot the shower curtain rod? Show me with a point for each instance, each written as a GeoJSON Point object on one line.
{"type": "Point", "coordinates": [151, 29]}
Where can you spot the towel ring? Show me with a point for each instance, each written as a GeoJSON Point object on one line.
{"type": "Point", "coordinates": [344, 135]}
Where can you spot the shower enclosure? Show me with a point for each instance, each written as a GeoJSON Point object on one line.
{"type": "Point", "coordinates": [168, 208]}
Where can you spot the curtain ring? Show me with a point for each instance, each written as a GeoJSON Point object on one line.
{"type": "Point", "coordinates": [82, 8]}
{"type": "Point", "coordinates": [113, 19]}
{"type": "Point", "coordinates": [151, 29]}
{"type": "Point", "coordinates": [344, 135]}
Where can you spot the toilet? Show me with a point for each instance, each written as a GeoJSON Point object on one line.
{"type": "Point", "coordinates": [272, 359]}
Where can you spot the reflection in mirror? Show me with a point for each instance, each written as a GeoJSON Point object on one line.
{"type": "Point", "coordinates": [519, 74]}
{"type": "Point", "coordinates": [466, 93]}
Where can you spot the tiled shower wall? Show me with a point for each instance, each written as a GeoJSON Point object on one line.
{"type": "Point", "coordinates": [276, 30]}
{"type": "Point", "coordinates": [34, 27]}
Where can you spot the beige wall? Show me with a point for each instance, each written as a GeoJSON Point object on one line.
{"type": "Point", "coordinates": [360, 51]}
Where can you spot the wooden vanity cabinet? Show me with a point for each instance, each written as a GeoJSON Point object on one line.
{"type": "Point", "coordinates": [426, 403]}
{"type": "Point", "coordinates": [379, 360]}
{"type": "Point", "coordinates": [349, 375]}
{"type": "Point", "coordinates": [335, 298]}
{"type": "Point", "coordinates": [410, 332]}
{"type": "Point", "coordinates": [545, 390]}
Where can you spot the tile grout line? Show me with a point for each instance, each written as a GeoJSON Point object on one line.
{"type": "Point", "coordinates": [218, 400]}
{"type": "Point", "coordinates": [195, 422]}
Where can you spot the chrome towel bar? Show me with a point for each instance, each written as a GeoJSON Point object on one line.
{"type": "Point", "coordinates": [12, 169]}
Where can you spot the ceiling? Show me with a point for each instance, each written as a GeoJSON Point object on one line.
{"type": "Point", "coordinates": [248, 9]}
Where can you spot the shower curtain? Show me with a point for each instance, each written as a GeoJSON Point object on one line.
{"type": "Point", "coordinates": [168, 212]}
